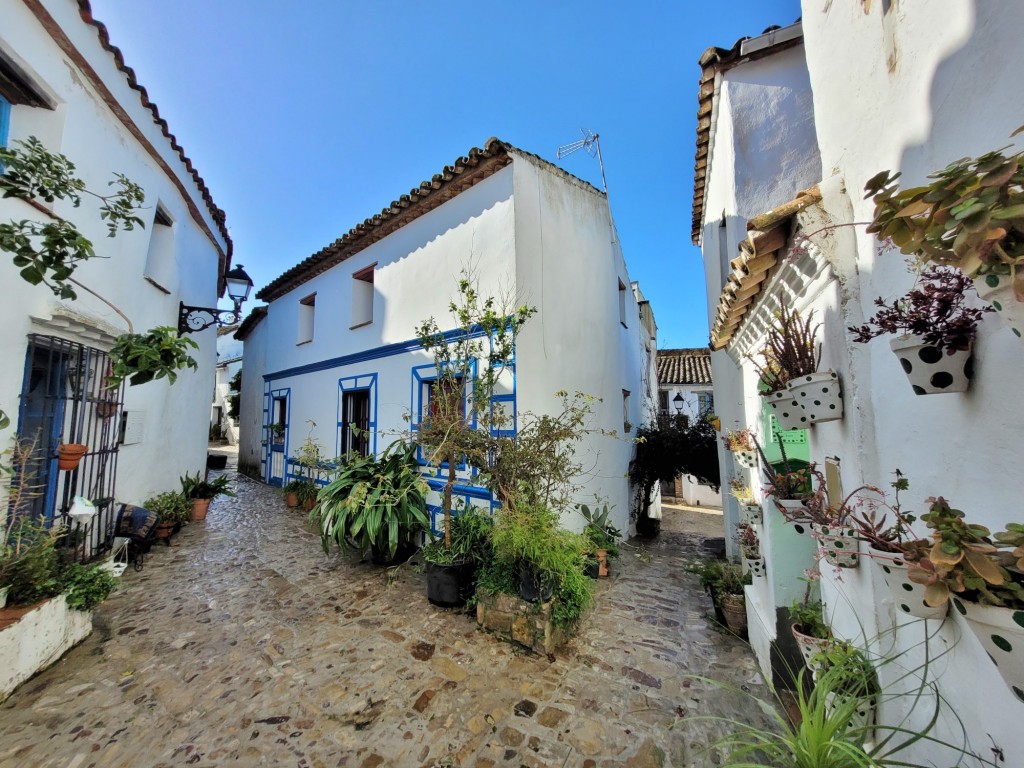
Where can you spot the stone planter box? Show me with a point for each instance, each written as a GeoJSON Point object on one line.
{"type": "Point", "coordinates": [518, 621]}
{"type": "Point", "coordinates": [34, 637]}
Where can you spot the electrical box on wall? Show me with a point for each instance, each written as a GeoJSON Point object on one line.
{"type": "Point", "coordinates": [133, 427]}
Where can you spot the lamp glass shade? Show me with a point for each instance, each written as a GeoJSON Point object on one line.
{"type": "Point", "coordinates": [677, 401]}
{"type": "Point", "coordinates": [238, 283]}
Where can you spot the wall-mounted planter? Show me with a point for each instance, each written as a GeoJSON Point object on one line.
{"type": "Point", "coordinates": [69, 455]}
{"type": "Point", "coordinates": [809, 647]}
{"type": "Point", "coordinates": [746, 459]}
{"type": "Point", "coordinates": [907, 595]}
{"type": "Point", "coordinates": [863, 718]}
{"type": "Point", "coordinates": [751, 514]}
{"type": "Point", "coordinates": [795, 513]}
{"type": "Point", "coordinates": [1001, 632]}
{"type": "Point", "coordinates": [997, 290]}
{"type": "Point", "coordinates": [931, 371]}
{"type": "Point", "coordinates": [818, 395]}
{"type": "Point", "coordinates": [839, 543]}
{"type": "Point", "coordinates": [786, 410]}
{"type": "Point", "coordinates": [755, 565]}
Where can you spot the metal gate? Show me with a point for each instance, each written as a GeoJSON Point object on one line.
{"type": "Point", "coordinates": [64, 399]}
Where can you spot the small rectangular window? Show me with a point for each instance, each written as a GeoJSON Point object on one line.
{"type": "Point", "coordinates": [622, 304]}
{"type": "Point", "coordinates": [160, 268]}
{"type": "Point", "coordinates": [663, 401]}
{"type": "Point", "coordinates": [279, 420]}
{"type": "Point", "coordinates": [627, 425]}
{"type": "Point", "coordinates": [362, 297]}
{"type": "Point", "coordinates": [356, 413]}
{"type": "Point", "coordinates": [307, 311]}
{"type": "Point", "coordinates": [448, 392]}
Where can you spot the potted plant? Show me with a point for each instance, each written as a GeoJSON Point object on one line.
{"type": "Point", "coordinates": [741, 444]}
{"type": "Point", "coordinates": [306, 492]}
{"type": "Point", "coordinates": [375, 506]}
{"type": "Point", "coordinates": [968, 216]}
{"type": "Point", "coordinates": [934, 331]}
{"type": "Point", "coordinates": [724, 582]}
{"type": "Point", "coordinates": [291, 493]}
{"type": "Point", "coordinates": [277, 434]}
{"type": "Point", "coordinates": [452, 571]}
{"type": "Point", "coordinates": [86, 586]}
{"type": "Point", "coordinates": [602, 535]}
{"type": "Point", "coordinates": [69, 455]}
{"type": "Point", "coordinates": [174, 511]}
{"type": "Point", "coordinates": [750, 546]}
{"type": "Point", "coordinates": [809, 629]}
{"type": "Point", "coordinates": [798, 394]}
{"type": "Point", "coordinates": [848, 678]}
{"type": "Point", "coordinates": [750, 511]}
{"type": "Point", "coordinates": [983, 576]}
{"type": "Point", "coordinates": [201, 492]}
{"type": "Point", "coordinates": [793, 491]}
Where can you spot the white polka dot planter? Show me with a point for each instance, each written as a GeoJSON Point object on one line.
{"type": "Point", "coordinates": [907, 596]}
{"type": "Point", "coordinates": [839, 545]}
{"type": "Point", "coordinates": [786, 410]}
{"type": "Point", "coordinates": [863, 718]}
{"type": "Point", "coordinates": [810, 647]}
{"type": "Point", "coordinates": [931, 371]}
{"type": "Point", "coordinates": [755, 566]}
{"type": "Point", "coordinates": [751, 514]}
{"type": "Point", "coordinates": [1001, 632]}
{"type": "Point", "coordinates": [746, 459]}
{"type": "Point", "coordinates": [795, 513]}
{"type": "Point", "coordinates": [818, 395]}
{"type": "Point", "coordinates": [997, 290]}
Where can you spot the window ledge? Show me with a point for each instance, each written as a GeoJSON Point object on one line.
{"type": "Point", "coordinates": [360, 325]}
{"type": "Point", "coordinates": [156, 285]}
{"type": "Point", "coordinates": [300, 343]}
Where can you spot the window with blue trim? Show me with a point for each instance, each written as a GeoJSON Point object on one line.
{"type": "Point", "coordinates": [5, 121]}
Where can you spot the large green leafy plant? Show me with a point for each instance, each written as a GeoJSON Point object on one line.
{"type": "Point", "coordinates": [373, 503]}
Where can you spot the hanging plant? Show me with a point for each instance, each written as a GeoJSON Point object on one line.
{"type": "Point", "coordinates": [156, 354]}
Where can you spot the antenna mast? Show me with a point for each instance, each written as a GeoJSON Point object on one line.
{"type": "Point", "coordinates": [591, 142]}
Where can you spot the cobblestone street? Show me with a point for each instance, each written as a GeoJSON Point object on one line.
{"type": "Point", "coordinates": [245, 645]}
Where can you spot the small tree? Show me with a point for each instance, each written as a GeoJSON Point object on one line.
{"type": "Point", "coordinates": [458, 426]}
{"type": "Point", "coordinates": [235, 396]}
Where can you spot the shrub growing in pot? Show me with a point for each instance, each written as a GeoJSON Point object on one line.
{"type": "Point", "coordinates": [812, 634]}
{"type": "Point", "coordinates": [174, 510]}
{"type": "Point", "coordinates": [602, 536]}
{"type": "Point", "coordinates": [374, 505]}
{"type": "Point", "coordinates": [452, 570]}
{"type": "Point", "coordinates": [934, 331]}
{"type": "Point", "coordinates": [201, 492]}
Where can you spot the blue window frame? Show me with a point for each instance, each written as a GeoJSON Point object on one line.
{"type": "Point", "coordinates": [5, 122]}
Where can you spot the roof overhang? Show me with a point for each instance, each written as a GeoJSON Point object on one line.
{"type": "Point", "coordinates": [767, 234]}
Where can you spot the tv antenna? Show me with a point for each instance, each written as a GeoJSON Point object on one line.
{"type": "Point", "coordinates": [591, 142]}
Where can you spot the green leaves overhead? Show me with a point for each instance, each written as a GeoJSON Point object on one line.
{"type": "Point", "coordinates": [156, 354]}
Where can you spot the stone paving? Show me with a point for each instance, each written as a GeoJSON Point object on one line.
{"type": "Point", "coordinates": [245, 645]}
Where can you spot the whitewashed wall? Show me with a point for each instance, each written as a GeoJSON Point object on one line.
{"type": "Point", "coordinates": [918, 91]}
{"type": "Point", "coordinates": [85, 129]}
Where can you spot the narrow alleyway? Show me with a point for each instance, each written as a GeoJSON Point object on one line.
{"type": "Point", "coordinates": [245, 645]}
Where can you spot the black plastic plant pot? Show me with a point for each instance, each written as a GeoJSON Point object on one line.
{"type": "Point", "coordinates": [531, 588]}
{"type": "Point", "coordinates": [450, 585]}
{"type": "Point", "coordinates": [381, 555]}
{"type": "Point", "coordinates": [648, 527]}
{"type": "Point", "coordinates": [592, 569]}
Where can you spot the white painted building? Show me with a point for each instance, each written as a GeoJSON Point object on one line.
{"type": "Point", "coordinates": [685, 388]}
{"type": "Point", "coordinates": [229, 363]}
{"type": "Point", "coordinates": [65, 83]}
{"type": "Point", "coordinates": [786, 143]}
{"type": "Point", "coordinates": [337, 342]}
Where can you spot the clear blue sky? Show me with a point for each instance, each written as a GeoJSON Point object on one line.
{"type": "Point", "coordinates": [305, 118]}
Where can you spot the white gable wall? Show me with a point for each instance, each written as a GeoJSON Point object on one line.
{"type": "Point", "coordinates": [84, 128]}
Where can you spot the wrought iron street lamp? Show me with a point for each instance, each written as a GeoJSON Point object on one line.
{"type": "Point", "coordinates": [193, 319]}
{"type": "Point", "coordinates": [677, 401]}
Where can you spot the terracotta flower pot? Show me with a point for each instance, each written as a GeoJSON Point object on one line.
{"type": "Point", "coordinates": [69, 455]}
{"type": "Point", "coordinates": [602, 563]}
{"type": "Point", "coordinates": [930, 370]}
{"type": "Point", "coordinates": [291, 499]}
{"type": "Point", "coordinates": [199, 509]}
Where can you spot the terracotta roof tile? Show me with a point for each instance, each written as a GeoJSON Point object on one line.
{"type": "Point", "coordinates": [684, 366]}
{"type": "Point", "coordinates": [453, 179]}
{"type": "Point", "coordinates": [713, 62]}
{"type": "Point", "coordinates": [767, 234]}
{"type": "Point", "coordinates": [85, 11]}
{"type": "Point", "coordinates": [250, 322]}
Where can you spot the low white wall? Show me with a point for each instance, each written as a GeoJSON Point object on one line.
{"type": "Point", "coordinates": [36, 641]}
